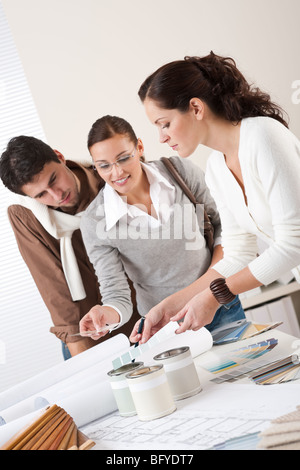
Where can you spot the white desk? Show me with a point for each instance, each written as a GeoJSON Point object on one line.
{"type": "Point", "coordinates": [217, 412]}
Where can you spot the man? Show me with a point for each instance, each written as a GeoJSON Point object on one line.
{"type": "Point", "coordinates": [46, 227]}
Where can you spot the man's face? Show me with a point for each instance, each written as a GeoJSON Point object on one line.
{"type": "Point", "coordinates": [55, 186]}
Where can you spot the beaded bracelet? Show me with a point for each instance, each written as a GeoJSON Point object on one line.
{"type": "Point", "coordinates": [221, 291]}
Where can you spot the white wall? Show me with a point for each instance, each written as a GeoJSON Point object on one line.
{"type": "Point", "coordinates": [27, 346]}
{"type": "Point", "coordinates": [86, 58]}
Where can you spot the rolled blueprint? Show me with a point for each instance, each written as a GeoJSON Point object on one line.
{"type": "Point", "coordinates": [58, 376]}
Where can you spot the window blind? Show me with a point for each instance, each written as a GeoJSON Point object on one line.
{"type": "Point", "coordinates": [26, 345]}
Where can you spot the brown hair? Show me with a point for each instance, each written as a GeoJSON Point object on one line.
{"type": "Point", "coordinates": [215, 80]}
{"type": "Point", "coordinates": [23, 159]}
{"type": "Point", "coordinates": [109, 126]}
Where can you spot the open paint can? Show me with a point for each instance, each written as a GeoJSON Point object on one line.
{"type": "Point", "coordinates": [120, 388]}
{"type": "Point", "coordinates": [150, 392]}
{"type": "Point", "coordinates": [181, 372]}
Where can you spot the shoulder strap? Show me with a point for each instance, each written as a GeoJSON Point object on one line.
{"type": "Point", "coordinates": [208, 227]}
{"type": "Point", "coordinates": [178, 178]}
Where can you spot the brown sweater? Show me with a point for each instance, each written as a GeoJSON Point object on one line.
{"type": "Point", "coordinates": [41, 253]}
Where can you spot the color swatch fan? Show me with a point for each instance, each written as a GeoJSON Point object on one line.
{"type": "Point", "coordinates": [239, 330]}
{"type": "Point", "coordinates": [240, 362]}
{"type": "Point", "coordinates": [282, 371]}
{"type": "Point", "coordinates": [54, 429]}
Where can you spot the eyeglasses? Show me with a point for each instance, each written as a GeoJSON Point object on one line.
{"type": "Point", "coordinates": [107, 167]}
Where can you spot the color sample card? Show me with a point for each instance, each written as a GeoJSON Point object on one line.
{"type": "Point", "coordinates": [244, 442]}
{"type": "Point", "coordinates": [284, 370]}
{"type": "Point", "coordinates": [238, 362]}
{"type": "Point", "coordinates": [234, 335]}
{"type": "Point", "coordinates": [224, 330]}
{"type": "Point", "coordinates": [241, 330]}
{"type": "Point", "coordinates": [255, 329]}
{"type": "Point", "coordinates": [133, 352]}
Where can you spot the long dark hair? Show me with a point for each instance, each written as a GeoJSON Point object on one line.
{"type": "Point", "coordinates": [215, 80]}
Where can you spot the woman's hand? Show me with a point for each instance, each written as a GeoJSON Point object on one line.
{"type": "Point", "coordinates": [97, 318]}
{"type": "Point", "coordinates": [155, 319]}
{"type": "Point", "coordinates": [198, 312]}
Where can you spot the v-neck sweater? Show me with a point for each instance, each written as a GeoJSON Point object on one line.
{"type": "Point", "coordinates": [269, 156]}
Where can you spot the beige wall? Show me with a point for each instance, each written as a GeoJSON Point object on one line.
{"type": "Point", "coordinates": [86, 58]}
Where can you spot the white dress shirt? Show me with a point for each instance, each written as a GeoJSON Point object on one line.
{"type": "Point", "coordinates": [162, 195]}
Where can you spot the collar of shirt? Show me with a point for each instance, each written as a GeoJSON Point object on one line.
{"type": "Point", "coordinates": [162, 195]}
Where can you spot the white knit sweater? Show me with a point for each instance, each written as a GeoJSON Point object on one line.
{"type": "Point", "coordinates": [269, 156]}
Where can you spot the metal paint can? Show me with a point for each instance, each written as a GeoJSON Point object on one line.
{"type": "Point", "coordinates": [120, 388]}
{"type": "Point", "coordinates": [181, 372]}
{"type": "Point", "coordinates": [151, 392]}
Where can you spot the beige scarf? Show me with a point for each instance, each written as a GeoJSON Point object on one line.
{"type": "Point", "coordinates": [61, 226]}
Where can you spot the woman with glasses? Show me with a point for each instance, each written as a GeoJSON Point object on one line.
{"type": "Point", "coordinates": [252, 173]}
{"type": "Point", "coordinates": [142, 225]}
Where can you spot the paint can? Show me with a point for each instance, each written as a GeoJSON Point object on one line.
{"type": "Point", "coordinates": [119, 385]}
{"type": "Point", "coordinates": [181, 372]}
{"type": "Point", "coordinates": [150, 392]}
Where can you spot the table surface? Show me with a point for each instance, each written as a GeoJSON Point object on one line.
{"type": "Point", "coordinates": [195, 426]}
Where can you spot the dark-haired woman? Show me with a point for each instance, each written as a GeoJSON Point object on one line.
{"type": "Point", "coordinates": [253, 175]}
{"type": "Point", "coordinates": [143, 225]}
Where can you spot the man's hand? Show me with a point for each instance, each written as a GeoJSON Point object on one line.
{"type": "Point", "coordinates": [97, 318]}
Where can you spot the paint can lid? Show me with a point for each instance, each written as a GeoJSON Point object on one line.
{"type": "Point", "coordinates": [143, 371]}
{"type": "Point", "coordinates": [125, 369]}
{"type": "Point", "coordinates": [171, 353]}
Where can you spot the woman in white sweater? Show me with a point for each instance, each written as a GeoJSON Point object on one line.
{"type": "Point", "coordinates": [253, 175]}
{"type": "Point", "coordinates": [142, 225]}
